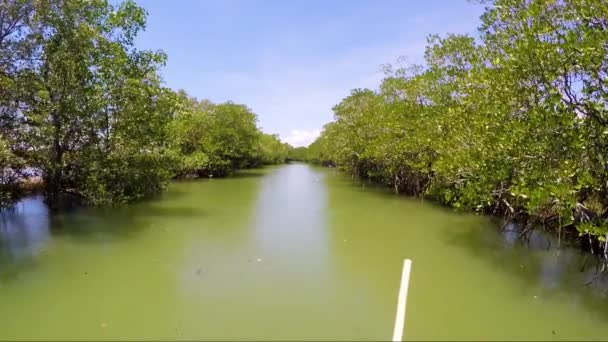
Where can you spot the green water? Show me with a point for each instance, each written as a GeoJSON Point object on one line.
{"type": "Point", "coordinates": [290, 252]}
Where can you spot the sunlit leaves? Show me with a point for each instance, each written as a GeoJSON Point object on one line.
{"type": "Point", "coordinates": [512, 123]}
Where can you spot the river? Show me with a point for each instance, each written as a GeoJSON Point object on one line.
{"type": "Point", "coordinates": [288, 252]}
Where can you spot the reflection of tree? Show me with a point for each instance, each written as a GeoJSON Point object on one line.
{"type": "Point", "coordinates": [542, 269]}
{"type": "Point", "coordinates": [23, 233]}
{"type": "Point", "coordinates": [553, 263]}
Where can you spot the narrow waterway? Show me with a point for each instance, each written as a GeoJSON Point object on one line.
{"type": "Point", "coordinates": [288, 252]}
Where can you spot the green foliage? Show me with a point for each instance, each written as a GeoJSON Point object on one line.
{"type": "Point", "coordinates": [91, 101]}
{"type": "Point", "coordinates": [270, 150]}
{"type": "Point", "coordinates": [11, 167]}
{"type": "Point", "coordinates": [233, 137]}
{"type": "Point", "coordinates": [515, 123]}
{"type": "Point", "coordinates": [298, 154]}
{"type": "Point", "coordinates": [319, 152]}
{"type": "Point", "coordinates": [85, 108]}
{"type": "Point", "coordinates": [216, 139]}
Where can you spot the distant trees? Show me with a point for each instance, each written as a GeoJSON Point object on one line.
{"type": "Point", "coordinates": [515, 123]}
{"type": "Point", "coordinates": [270, 150]}
{"type": "Point", "coordinates": [215, 139]}
{"type": "Point", "coordinates": [298, 154]}
{"type": "Point", "coordinates": [80, 104]}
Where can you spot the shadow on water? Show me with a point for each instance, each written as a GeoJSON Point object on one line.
{"type": "Point", "coordinates": [29, 231]}
{"type": "Point", "coordinates": [537, 267]}
{"type": "Point", "coordinates": [97, 225]}
{"type": "Point", "coordinates": [242, 174]}
{"type": "Point", "coordinates": [253, 173]}
{"type": "Point", "coordinates": [340, 182]}
{"type": "Point", "coordinates": [542, 270]}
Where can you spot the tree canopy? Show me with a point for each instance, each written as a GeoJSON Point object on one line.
{"type": "Point", "coordinates": [513, 123]}
{"type": "Point", "coordinates": [87, 110]}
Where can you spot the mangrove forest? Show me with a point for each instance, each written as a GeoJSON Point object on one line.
{"type": "Point", "coordinates": [512, 123]}
{"type": "Point", "coordinates": [86, 112]}
{"type": "Point", "coordinates": [200, 170]}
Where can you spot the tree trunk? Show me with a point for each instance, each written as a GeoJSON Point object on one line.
{"type": "Point", "coordinates": [55, 174]}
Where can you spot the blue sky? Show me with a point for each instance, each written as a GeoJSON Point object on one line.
{"type": "Point", "coordinates": [290, 61]}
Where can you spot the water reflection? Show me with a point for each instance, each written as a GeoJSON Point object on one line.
{"type": "Point", "coordinates": [330, 254]}
{"type": "Point", "coordinates": [24, 232]}
{"type": "Point", "coordinates": [290, 214]}
{"type": "Point", "coordinates": [555, 264]}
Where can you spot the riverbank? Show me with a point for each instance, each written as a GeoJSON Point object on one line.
{"type": "Point", "coordinates": [524, 225]}
{"type": "Point", "coordinates": [512, 122]}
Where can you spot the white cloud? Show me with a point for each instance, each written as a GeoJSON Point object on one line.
{"type": "Point", "coordinates": [301, 137]}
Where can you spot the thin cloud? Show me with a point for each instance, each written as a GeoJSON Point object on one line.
{"type": "Point", "coordinates": [299, 138]}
